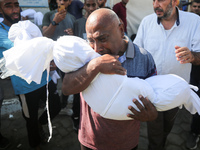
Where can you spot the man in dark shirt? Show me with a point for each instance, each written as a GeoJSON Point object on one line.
{"type": "Point", "coordinates": [120, 10]}
{"type": "Point", "coordinates": [75, 8]}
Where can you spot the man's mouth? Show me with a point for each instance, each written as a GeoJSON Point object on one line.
{"type": "Point", "coordinates": [15, 16]}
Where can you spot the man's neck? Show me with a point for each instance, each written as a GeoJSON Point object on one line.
{"type": "Point", "coordinates": [7, 23]}
{"type": "Point", "coordinates": [169, 22]}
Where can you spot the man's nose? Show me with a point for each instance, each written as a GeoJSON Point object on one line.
{"type": "Point", "coordinates": [97, 47]}
{"type": "Point", "coordinates": [15, 9]}
{"type": "Point", "coordinates": [156, 3]}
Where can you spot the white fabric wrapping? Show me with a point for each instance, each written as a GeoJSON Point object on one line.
{"type": "Point", "coordinates": [28, 13]}
{"type": "Point", "coordinates": [71, 52]}
{"type": "Point", "coordinates": [38, 17]}
{"type": "Point", "coordinates": [30, 59]}
{"type": "Point", "coordinates": [23, 31]}
{"type": "Point", "coordinates": [108, 95]}
{"type": "Point", "coordinates": [54, 76]}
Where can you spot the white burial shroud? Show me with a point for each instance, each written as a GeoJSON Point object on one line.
{"type": "Point", "coordinates": [108, 95]}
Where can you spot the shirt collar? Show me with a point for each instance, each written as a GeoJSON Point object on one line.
{"type": "Point", "coordinates": [130, 51]}
{"type": "Point", "coordinates": [177, 21]}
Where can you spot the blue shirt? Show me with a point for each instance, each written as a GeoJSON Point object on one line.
{"type": "Point", "coordinates": [20, 86]}
{"type": "Point", "coordinates": [142, 66]}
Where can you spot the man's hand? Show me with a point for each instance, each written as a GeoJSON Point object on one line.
{"type": "Point", "coordinates": [60, 16]}
{"type": "Point", "coordinates": [147, 112]}
{"type": "Point", "coordinates": [184, 55]}
{"type": "Point", "coordinates": [108, 64]}
{"type": "Point", "coordinates": [69, 31]}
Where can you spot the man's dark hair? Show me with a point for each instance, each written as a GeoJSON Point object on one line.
{"type": "Point", "coordinates": [196, 1]}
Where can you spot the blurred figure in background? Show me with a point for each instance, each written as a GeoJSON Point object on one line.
{"type": "Point", "coordinates": [75, 8]}
{"type": "Point", "coordinates": [120, 10]}
{"type": "Point", "coordinates": [195, 7]}
{"type": "Point", "coordinates": [102, 3]}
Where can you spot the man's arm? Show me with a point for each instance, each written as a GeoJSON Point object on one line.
{"type": "Point", "coordinates": [79, 80]}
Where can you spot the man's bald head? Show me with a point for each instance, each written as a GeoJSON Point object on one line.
{"type": "Point", "coordinates": [103, 17]}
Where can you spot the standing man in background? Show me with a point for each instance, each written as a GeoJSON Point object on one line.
{"type": "Point", "coordinates": [58, 23]}
{"type": "Point", "coordinates": [175, 46]}
{"type": "Point", "coordinates": [120, 10]}
{"type": "Point", "coordinates": [102, 3]}
{"type": "Point", "coordinates": [193, 137]}
{"type": "Point", "coordinates": [195, 7]}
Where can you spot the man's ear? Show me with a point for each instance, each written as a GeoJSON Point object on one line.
{"type": "Point", "coordinates": [175, 2]}
{"type": "Point", "coordinates": [121, 27]}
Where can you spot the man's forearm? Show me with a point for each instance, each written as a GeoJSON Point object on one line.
{"type": "Point", "coordinates": [79, 80]}
{"type": "Point", "coordinates": [48, 31]}
{"type": "Point", "coordinates": [196, 60]}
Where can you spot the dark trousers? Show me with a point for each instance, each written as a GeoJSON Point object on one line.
{"type": "Point", "coordinates": [64, 99]}
{"type": "Point", "coordinates": [159, 129]}
{"type": "Point", "coordinates": [195, 126]}
{"type": "Point", "coordinates": [76, 105]}
{"type": "Point", "coordinates": [32, 102]}
{"type": "Point", "coordinates": [195, 80]}
{"type": "Point", "coordinates": [85, 148]}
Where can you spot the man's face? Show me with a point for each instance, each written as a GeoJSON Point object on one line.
{"type": "Point", "coordinates": [90, 6]}
{"type": "Point", "coordinates": [101, 3]}
{"type": "Point", "coordinates": [104, 38]}
{"type": "Point", "coordinates": [66, 3]}
{"type": "Point", "coordinates": [163, 8]}
{"type": "Point", "coordinates": [10, 10]}
{"type": "Point", "coordinates": [195, 8]}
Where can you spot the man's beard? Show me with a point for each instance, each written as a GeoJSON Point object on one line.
{"type": "Point", "coordinates": [10, 19]}
{"type": "Point", "coordinates": [167, 13]}
{"type": "Point", "coordinates": [101, 5]}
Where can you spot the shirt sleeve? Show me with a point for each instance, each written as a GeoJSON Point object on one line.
{"type": "Point", "coordinates": [5, 43]}
{"type": "Point", "coordinates": [46, 20]}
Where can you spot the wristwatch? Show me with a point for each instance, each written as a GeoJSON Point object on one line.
{"type": "Point", "coordinates": [54, 23]}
